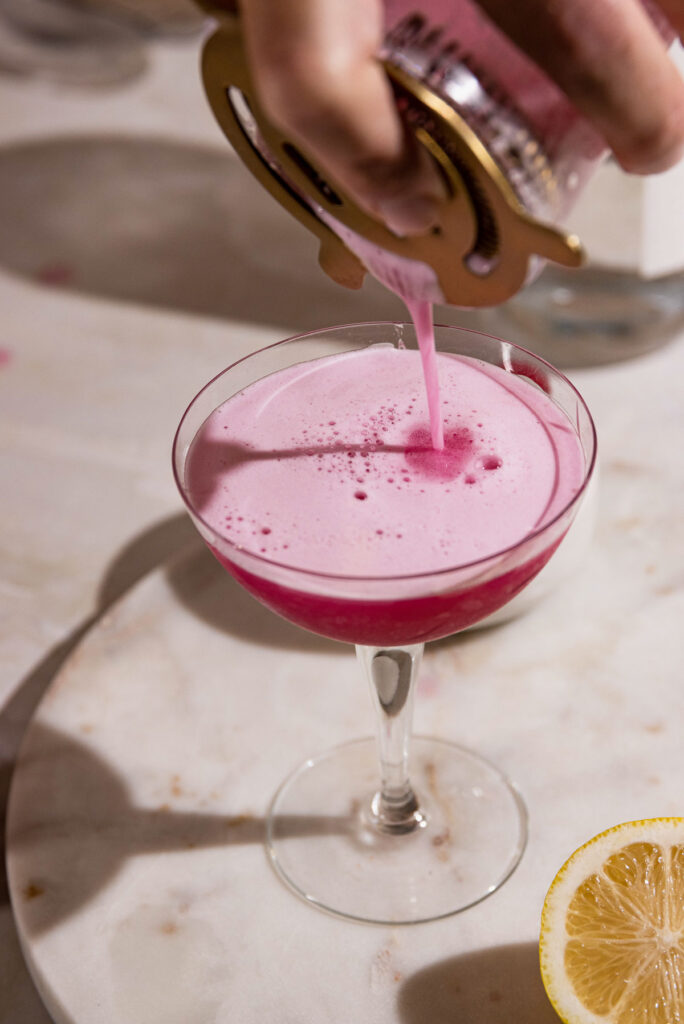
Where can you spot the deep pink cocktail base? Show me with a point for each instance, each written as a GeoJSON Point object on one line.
{"type": "Point", "coordinates": [383, 623]}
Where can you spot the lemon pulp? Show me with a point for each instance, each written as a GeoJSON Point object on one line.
{"type": "Point", "coordinates": [613, 928]}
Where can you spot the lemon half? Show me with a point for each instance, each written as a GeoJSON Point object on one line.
{"type": "Point", "coordinates": [612, 930]}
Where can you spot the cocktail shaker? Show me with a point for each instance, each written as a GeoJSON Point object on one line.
{"type": "Point", "coordinates": [513, 152]}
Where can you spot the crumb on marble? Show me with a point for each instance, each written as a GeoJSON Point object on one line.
{"type": "Point", "coordinates": [666, 590]}
{"type": "Point", "coordinates": [627, 467]}
{"type": "Point", "coordinates": [629, 523]}
{"type": "Point", "coordinates": [239, 819]}
{"type": "Point", "coordinates": [32, 891]}
{"type": "Point", "coordinates": [431, 775]}
{"type": "Point", "coordinates": [442, 837]}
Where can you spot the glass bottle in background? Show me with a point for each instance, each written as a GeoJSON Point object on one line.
{"type": "Point", "coordinates": [63, 43]}
{"type": "Point", "coordinates": [168, 18]}
{"type": "Point", "coordinates": [87, 43]}
{"type": "Point", "coordinates": [629, 299]}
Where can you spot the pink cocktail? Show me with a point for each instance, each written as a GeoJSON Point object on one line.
{"type": "Point", "coordinates": [309, 469]}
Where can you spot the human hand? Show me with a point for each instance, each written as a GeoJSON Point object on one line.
{"type": "Point", "coordinates": [315, 70]}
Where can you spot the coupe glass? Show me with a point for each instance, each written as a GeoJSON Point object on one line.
{"type": "Point", "coordinates": [396, 830]}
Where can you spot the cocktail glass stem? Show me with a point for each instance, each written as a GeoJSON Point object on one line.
{"type": "Point", "coordinates": [392, 674]}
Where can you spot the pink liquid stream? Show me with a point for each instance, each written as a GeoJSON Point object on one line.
{"type": "Point", "coordinates": [421, 314]}
{"type": "Point", "coordinates": [416, 285]}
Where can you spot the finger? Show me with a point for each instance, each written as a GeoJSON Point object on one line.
{"type": "Point", "coordinates": [317, 76]}
{"type": "Point", "coordinates": [609, 59]}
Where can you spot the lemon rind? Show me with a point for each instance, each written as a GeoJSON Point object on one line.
{"type": "Point", "coordinates": [588, 859]}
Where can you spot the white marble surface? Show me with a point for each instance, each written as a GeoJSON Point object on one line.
{"type": "Point", "coordinates": [123, 289]}
{"type": "Point", "coordinates": [140, 885]}
{"type": "Point", "coordinates": [127, 279]}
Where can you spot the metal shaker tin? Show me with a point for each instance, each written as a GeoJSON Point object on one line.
{"type": "Point", "coordinates": [513, 152]}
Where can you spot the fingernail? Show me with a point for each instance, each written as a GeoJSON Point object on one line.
{"type": "Point", "coordinates": [409, 216]}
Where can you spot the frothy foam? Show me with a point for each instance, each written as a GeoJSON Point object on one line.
{"type": "Point", "coordinates": [329, 465]}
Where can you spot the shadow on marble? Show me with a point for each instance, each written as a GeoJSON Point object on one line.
{"type": "Point", "coordinates": [501, 985]}
{"type": "Point", "coordinates": [136, 559]}
{"type": "Point", "coordinates": [203, 588]}
{"type": "Point", "coordinates": [142, 554]}
{"type": "Point", "coordinates": [186, 227]}
{"type": "Point", "coordinates": [169, 224]}
{"type": "Point", "coordinates": [87, 828]}
{"type": "Point", "coordinates": [200, 584]}
{"type": "Point", "coordinates": [209, 592]}
{"type": "Point", "coordinates": [15, 716]}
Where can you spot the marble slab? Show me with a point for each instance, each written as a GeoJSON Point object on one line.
{"type": "Point", "coordinates": [139, 881]}
{"type": "Point", "coordinates": [136, 312]}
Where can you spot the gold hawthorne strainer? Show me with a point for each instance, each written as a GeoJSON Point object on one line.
{"type": "Point", "coordinates": [485, 245]}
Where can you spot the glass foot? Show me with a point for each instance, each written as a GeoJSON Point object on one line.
{"type": "Point", "coordinates": [322, 841]}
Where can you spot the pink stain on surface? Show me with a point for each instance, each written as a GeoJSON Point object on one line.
{"type": "Point", "coordinates": [5, 357]}
{"type": "Point", "coordinates": [54, 274]}
{"type": "Point", "coordinates": [429, 684]}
